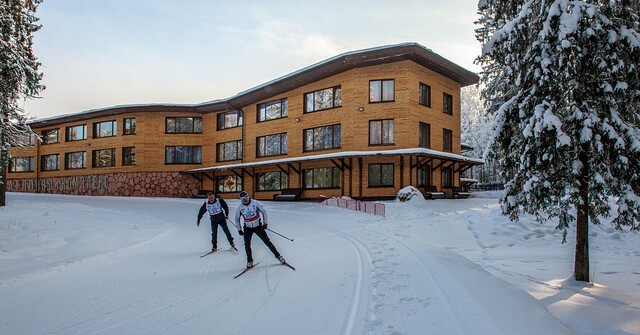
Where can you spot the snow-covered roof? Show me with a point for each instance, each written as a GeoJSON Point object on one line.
{"type": "Point", "coordinates": [343, 154]}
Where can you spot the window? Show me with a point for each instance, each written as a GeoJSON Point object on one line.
{"type": "Point", "coordinates": [50, 136]}
{"type": "Point", "coordinates": [380, 175]}
{"type": "Point", "coordinates": [322, 138]}
{"type": "Point", "coordinates": [381, 132]}
{"type": "Point", "coordinates": [447, 140]}
{"type": "Point", "coordinates": [75, 160]}
{"type": "Point", "coordinates": [447, 177]}
{"type": "Point", "coordinates": [230, 119]}
{"type": "Point", "coordinates": [129, 156]}
{"type": "Point", "coordinates": [231, 183]}
{"type": "Point", "coordinates": [424, 175]}
{"type": "Point", "coordinates": [129, 126]}
{"type": "Point", "coordinates": [424, 135]}
{"type": "Point", "coordinates": [447, 103]}
{"type": "Point", "coordinates": [76, 133]}
{"type": "Point", "coordinates": [272, 145]}
{"type": "Point", "coordinates": [21, 164]}
{"type": "Point", "coordinates": [272, 110]}
{"type": "Point", "coordinates": [424, 95]}
{"type": "Point", "coordinates": [104, 129]}
{"type": "Point", "coordinates": [381, 90]}
{"type": "Point", "coordinates": [323, 99]}
{"type": "Point", "coordinates": [183, 155]}
{"type": "Point", "coordinates": [271, 181]}
{"type": "Point", "coordinates": [104, 158]}
{"type": "Point", "coordinates": [229, 151]}
{"type": "Point", "coordinates": [322, 178]}
{"type": "Point", "coordinates": [50, 162]}
{"type": "Point", "coordinates": [183, 125]}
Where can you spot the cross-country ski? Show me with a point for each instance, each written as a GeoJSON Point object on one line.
{"type": "Point", "coordinates": [245, 270]}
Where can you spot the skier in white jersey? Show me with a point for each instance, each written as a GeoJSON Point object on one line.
{"type": "Point", "coordinates": [250, 210]}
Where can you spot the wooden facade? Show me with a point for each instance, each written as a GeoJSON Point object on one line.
{"type": "Point", "coordinates": [348, 146]}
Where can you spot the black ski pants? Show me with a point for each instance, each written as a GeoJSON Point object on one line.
{"type": "Point", "coordinates": [214, 232]}
{"type": "Point", "coordinates": [262, 234]}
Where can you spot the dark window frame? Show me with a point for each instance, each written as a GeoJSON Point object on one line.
{"type": "Point", "coordinates": [447, 103]}
{"type": "Point", "coordinates": [67, 161]}
{"type": "Point", "coordinates": [67, 133]}
{"type": "Point", "coordinates": [335, 181]}
{"type": "Point", "coordinates": [283, 145]}
{"type": "Point", "coordinates": [284, 110]}
{"type": "Point", "coordinates": [424, 94]}
{"type": "Point", "coordinates": [380, 166]}
{"type": "Point", "coordinates": [239, 151]}
{"type": "Point", "coordinates": [220, 123]}
{"type": "Point", "coordinates": [30, 164]}
{"type": "Point", "coordinates": [382, 91]}
{"type": "Point", "coordinates": [175, 124]}
{"type": "Point", "coordinates": [382, 143]}
{"type": "Point", "coordinates": [174, 153]}
{"type": "Point", "coordinates": [424, 178]}
{"type": "Point", "coordinates": [43, 165]}
{"type": "Point", "coordinates": [284, 180]}
{"type": "Point", "coordinates": [97, 130]}
{"type": "Point", "coordinates": [95, 158]}
{"type": "Point", "coordinates": [447, 140]}
{"type": "Point", "coordinates": [130, 159]}
{"type": "Point", "coordinates": [129, 126]}
{"type": "Point", "coordinates": [333, 138]}
{"type": "Point", "coordinates": [447, 182]}
{"type": "Point", "coordinates": [45, 133]}
{"type": "Point", "coordinates": [238, 185]}
{"type": "Point", "coordinates": [337, 88]}
{"type": "Point", "coordinates": [424, 141]}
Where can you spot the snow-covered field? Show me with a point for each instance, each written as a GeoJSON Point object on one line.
{"type": "Point", "coordinates": [107, 265]}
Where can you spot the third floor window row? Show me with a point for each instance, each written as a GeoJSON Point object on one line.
{"type": "Point", "coordinates": [79, 132]}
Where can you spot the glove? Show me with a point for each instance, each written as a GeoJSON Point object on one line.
{"type": "Point", "coordinates": [240, 232]}
{"type": "Point", "coordinates": [198, 223]}
{"type": "Point", "coordinates": [265, 225]}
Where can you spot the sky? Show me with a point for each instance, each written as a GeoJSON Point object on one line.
{"type": "Point", "coordinates": [98, 54]}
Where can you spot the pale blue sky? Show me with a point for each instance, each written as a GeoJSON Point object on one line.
{"type": "Point", "coordinates": [101, 53]}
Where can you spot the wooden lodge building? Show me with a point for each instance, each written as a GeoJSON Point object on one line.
{"type": "Point", "coordinates": [362, 124]}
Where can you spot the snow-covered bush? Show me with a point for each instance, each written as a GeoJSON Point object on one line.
{"type": "Point", "coordinates": [409, 193]}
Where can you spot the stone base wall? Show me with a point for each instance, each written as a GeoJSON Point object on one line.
{"type": "Point", "coordinates": [136, 184]}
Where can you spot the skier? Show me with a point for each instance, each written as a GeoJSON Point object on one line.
{"type": "Point", "coordinates": [218, 213]}
{"type": "Point", "coordinates": [250, 210]}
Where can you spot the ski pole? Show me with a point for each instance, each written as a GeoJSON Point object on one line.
{"type": "Point", "coordinates": [275, 232]}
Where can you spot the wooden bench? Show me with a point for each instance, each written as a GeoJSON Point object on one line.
{"type": "Point", "coordinates": [459, 193]}
{"type": "Point", "coordinates": [288, 194]}
{"type": "Point", "coordinates": [431, 192]}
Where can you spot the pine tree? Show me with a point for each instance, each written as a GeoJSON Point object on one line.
{"type": "Point", "coordinates": [19, 77]}
{"type": "Point", "coordinates": [563, 81]}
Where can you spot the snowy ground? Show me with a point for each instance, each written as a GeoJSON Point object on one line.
{"type": "Point", "coordinates": [107, 265]}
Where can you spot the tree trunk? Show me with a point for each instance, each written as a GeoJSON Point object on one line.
{"type": "Point", "coordinates": [3, 185]}
{"type": "Point", "coordinates": [581, 266]}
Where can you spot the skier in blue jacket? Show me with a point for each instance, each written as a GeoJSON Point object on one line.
{"type": "Point", "coordinates": [218, 213]}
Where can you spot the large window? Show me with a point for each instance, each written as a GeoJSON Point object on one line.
{"type": "Point", "coordinates": [183, 155]}
{"type": "Point", "coordinates": [322, 178]}
{"type": "Point", "coordinates": [50, 162]}
{"type": "Point", "coordinates": [381, 90]}
{"type": "Point", "coordinates": [76, 133]}
{"type": "Point", "coordinates": [229, 151]}
{"type": "Point", "coordinates": [129, 126]}
{"type": "Point", "coordinates": [231, 183]}
{"type": "Point", "coordinates": [183, 125]}
{"type": "Point", "coordinates": [21, 164]}
{"type": "Point", "coordinates": [447, 176]}
{"type": "Point", "coordinates": [75, 160]}
{"type": "Point", "coordinates": [230, 119]}
{"type": "Point", "coordinates": [424, 95]}
{"type": "Point", "coordinates": [424, 175]}
{"type": "Point", "coordinates": [104, 158]}
{"type": "Point", "coordinates": [272, 145]}
{"type": "Point", "coordinates": [447, 140]}
{"type": "Point", "coordinates": [424, 135]}
{"type": "Point", "coordinates": [272, 110]}
{"type": "Point", "coordinates": [129, 156]}
{"type": "Point", "coordinates": [322, 138]}
{"type": "Point", "coordinates": [271, 181]}
{"type": "Point", "coordinates": [323, 99]}
{"type": "Point", "coordinates": [104, 129]}
{"type": "Point", "coordinates": [381, 132]}
{"type": "Point", "coordinates": [50, 136]}
{"type": "Point", "coordinates": [381, 175]}
{"type": "Point", "coordinates": [447, 103]}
